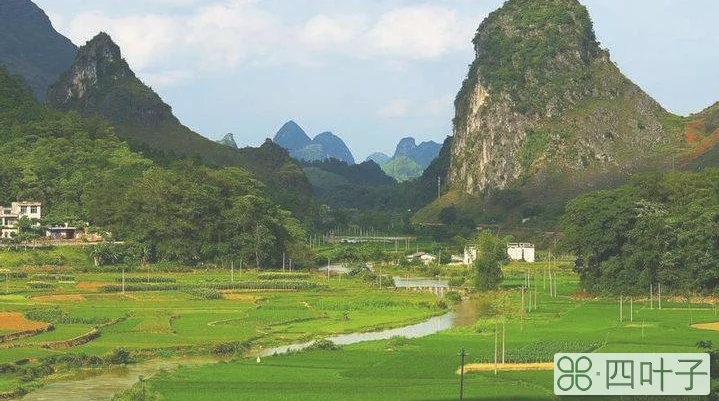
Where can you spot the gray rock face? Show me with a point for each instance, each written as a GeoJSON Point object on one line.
{"type": "Point", "coordinates": [229, 141]}
{"type": "Point", "coordinates": [544, 105]}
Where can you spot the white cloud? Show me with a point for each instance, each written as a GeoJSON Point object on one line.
{"type": "Point", "coordinates": [322, 31]}
{"type": "Point", "coordinates": [166, 78]}
{"type": "Point", "coordinates": [418, 32]}
{"type": "Point", "coordinates": [227, 33]}
{"type": "Point", "coordinates": [396, 108]}
{"type": "Point", "coordinates": [438, 107]}
{"type": "Point", "coordinates": [144, 40]}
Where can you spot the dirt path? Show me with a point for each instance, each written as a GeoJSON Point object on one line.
{"type": "Point", "coordinates": [489, 367]}
{"type": "Point", "coordinates": [707, 326]}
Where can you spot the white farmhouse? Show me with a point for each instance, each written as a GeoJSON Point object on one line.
{"type": "Point", "coordinates": [17, 210]}
{"type": "Point", "coordinates": [521, 251]}
{"type": "Point", "coordinates": [470, 255]}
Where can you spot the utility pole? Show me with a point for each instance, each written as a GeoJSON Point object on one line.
{"type": "Point", "coordinates": [439, 187]}
{"type": "Point", "coordinates": [521, 314]}
{"type": "Point", "coordinates": [651, 296]}
{"type": "Point", "coordinates": [462, 354]}
{"type": "Point", "coordinates": [328, 268]}
{"type": "Point", "coordinates": [504, 321]}
{"type": "Point", "coordinates": [660, 296]}
{"type": "Point", "coordinates": [495, 347]}
{"type": "Point", "coordinates": [283, 262]}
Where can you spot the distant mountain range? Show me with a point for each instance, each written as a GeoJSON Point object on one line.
{"type": "Point", "coordinates": [324, 146]}
{"type": "Point", "coordinates": [409, 160]}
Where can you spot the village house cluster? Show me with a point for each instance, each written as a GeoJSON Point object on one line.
{"type": "Point", "coordinates": [9, 217]}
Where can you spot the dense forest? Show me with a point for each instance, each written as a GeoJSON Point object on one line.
{"type": "Point", "coordinates": [660, 229]}
{"type": "Point", "coordinates": [83, 174]}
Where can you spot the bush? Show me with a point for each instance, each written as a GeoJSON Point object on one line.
{"type": "Point", "coordinates": [453, 297]}
{"type": "Point", "coordinates": [119, 356]}
{"type": "Point", "coordinates": [324, 345]}
{"type": "Point", "coordinates": [228, 348]}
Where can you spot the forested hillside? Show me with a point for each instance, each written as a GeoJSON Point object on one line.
{"type": "Point", "coordinates": [101, 83]}
{"type": "Point", "coordinates": [81, 172]}
{"type": "Point", "coordinates": [660, 229]}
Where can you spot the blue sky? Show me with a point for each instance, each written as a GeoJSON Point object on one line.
{"type": "Point", "coordinates": [371, 71]}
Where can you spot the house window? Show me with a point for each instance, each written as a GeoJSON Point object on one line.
{"type": "Point", "coordinates": [23, 209]}
{"type": "Point", "coordinates": [33, 209]}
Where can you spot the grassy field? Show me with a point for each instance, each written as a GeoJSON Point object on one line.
{"type": "Point", "coordinates": [171, 323]}
{"type": "Point", "coordinates": [426, 368]}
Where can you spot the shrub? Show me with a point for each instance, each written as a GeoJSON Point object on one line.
{"type": "Point", "coordinates": [324, 345]}
{"type": "Point", "coordinates": [118, 356]}
{"type": "Point", "coordinates": [453, 297]}
{"type": "Point", "coordinates": [228, 348]}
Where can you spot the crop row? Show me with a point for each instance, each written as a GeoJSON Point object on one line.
{"type": "Point", "coordinates": [136, 279]}
{"type": "Point", "coordinates": [50, 276]}
{"type": "Point", "coordinates": [206, 293]}
{"type": "Point", "coordinates": [543, 351]}
{"type": "Point", "coordinates": [235, 285]}
{"type": "Point", "coordinates": [283, 276]}
{"type": "Point", "coordinates": [40, 284]}
{"type": "Point", "coordinates": [12, 275]}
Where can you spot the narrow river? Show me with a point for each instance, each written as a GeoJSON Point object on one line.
{"type": "Point", "coordinates": [102, 385]}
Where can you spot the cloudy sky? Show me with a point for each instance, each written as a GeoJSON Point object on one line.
{"type": "Point", "coordinates": [371, 71]}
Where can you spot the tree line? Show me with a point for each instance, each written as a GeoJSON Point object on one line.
{"type": "Point", "coordinates": [659, 229]}
{"type": "Point", "coordinates": [185, 211]}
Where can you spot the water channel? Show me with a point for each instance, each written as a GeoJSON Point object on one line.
{"type": "Point", "coordinates": [101, 385]}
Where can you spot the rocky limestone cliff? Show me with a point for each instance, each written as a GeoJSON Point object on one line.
{"type": "Point", "coordinates": [100, 82]}
{"type": "Point", "coordinates": [229, 141]}
{"type": "Point", "coordinates": [544, 106]}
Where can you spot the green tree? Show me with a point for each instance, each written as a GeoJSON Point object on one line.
{"type": "Point", "coordinates": [491, 254]}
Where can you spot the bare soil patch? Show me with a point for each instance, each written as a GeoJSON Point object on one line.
{"type": "Point", "coordinates": [489, 367]}
{"type": "Point", "coordinates": [238, 296]}
{"type": "Point", "coordinates": [16, 321]}
{"type": "Point", "coordinates": [91, 285]}
{"type": "Point", "coordinates": [707, 326]}
{"type": "Point", "coordinates": [60, 298]}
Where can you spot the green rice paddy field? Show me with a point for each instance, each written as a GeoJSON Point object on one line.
{"type": "Point", "coordinates": [426, 368]}
{"type": "Point", "coordinates": [174, 322]}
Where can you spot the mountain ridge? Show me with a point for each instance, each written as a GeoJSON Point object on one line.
{"type": "Point", "coordinates": [31, 47]}
{"type": "Point", "coordinates": [101, 83]}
